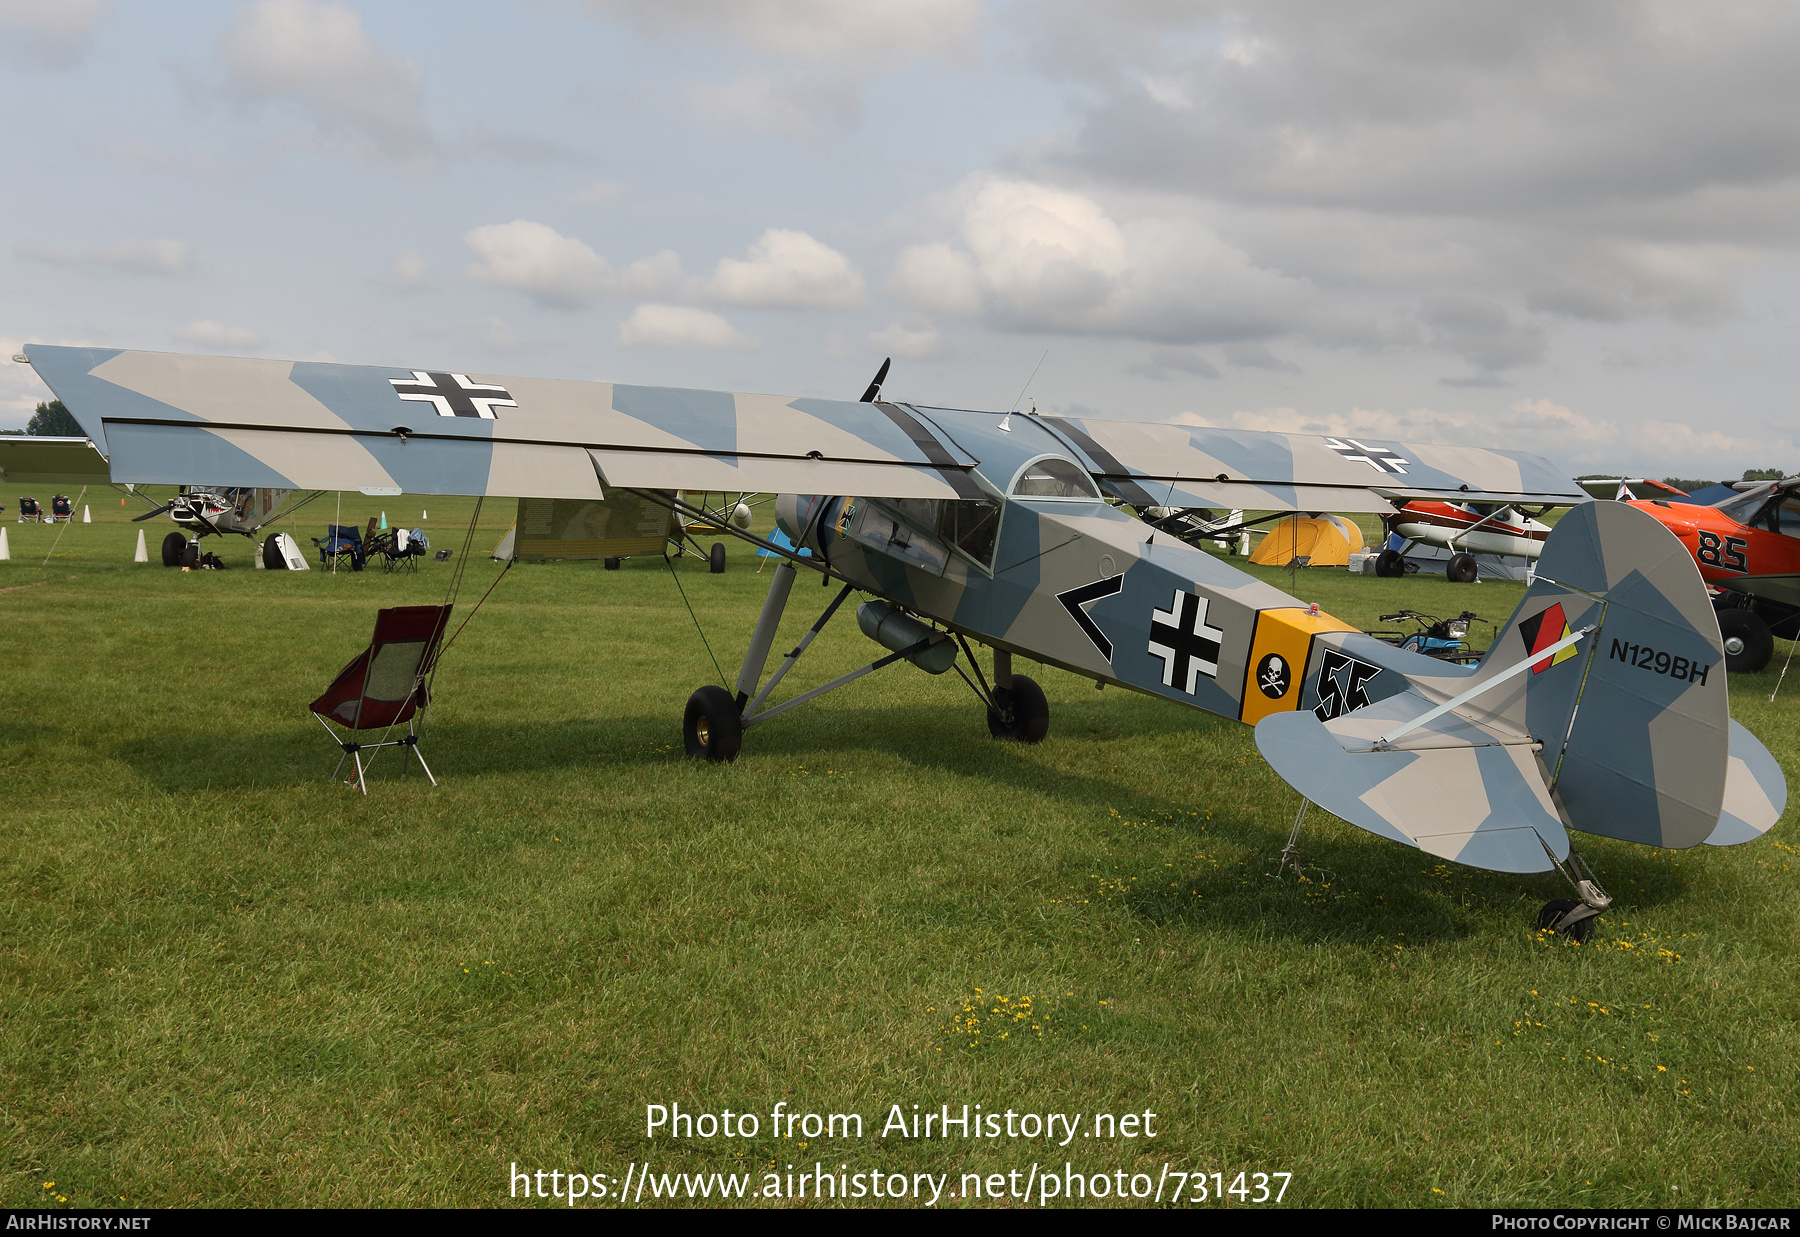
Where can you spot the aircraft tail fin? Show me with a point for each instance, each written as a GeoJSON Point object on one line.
{"type": "Point", "coordinates": [1635, 718]}
{"type": "Point", "coordinates": [1602, 706]}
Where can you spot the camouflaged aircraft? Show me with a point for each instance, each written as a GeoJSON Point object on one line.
{"type": "Point", "coordinates": [1601, 707]}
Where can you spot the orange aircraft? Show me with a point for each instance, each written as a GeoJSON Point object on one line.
{"type": "Point", "coordinates": [1748, 549]}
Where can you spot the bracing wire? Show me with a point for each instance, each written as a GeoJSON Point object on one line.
{"type": "Point", "coordinates": [690, 609]}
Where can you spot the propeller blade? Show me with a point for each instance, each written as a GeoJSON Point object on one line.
{"type": "Point", "coordinates": [869, 396]}
{"type": "Point", "coordinates": [156, 511]}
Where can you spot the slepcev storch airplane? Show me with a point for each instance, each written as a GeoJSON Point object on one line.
{"type": "Point", "coordinates": [1601, 706]}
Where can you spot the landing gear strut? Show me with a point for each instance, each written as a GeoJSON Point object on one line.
{"type": "Point", "coordinates": [714, 724]}
{"type": "Point", "coordinates": [1574, 917]}
{"type": "Point", "coordinates": [1017, 709]}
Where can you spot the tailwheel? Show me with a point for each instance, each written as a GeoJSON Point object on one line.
{"type": "Point", "coordinates": [713, 727]}
{"type": "Point", "coordinates": [1550, 919]}
{"type": "Point", "coordinates": [1024, 713]}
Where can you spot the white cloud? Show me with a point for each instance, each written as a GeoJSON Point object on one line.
{"type": "Point", "coordinates": [827, 52]}
{"type": "Point", "coordinates": [938, 279]}
{"type": "Point", "coordinates": [656, 275]}
{"type": "Point", "coordinates": [787, 270]}
{"type": "Point", "coordinates": [916, 341]}
{"type": "Point", "coordinates": [869, 33]}
{"type": "Point", "coordinates": [363, 101]}
{"type": "Point", "coordinates": [680, 326]}
{"type": "Point", "coordinates": [216, 336]}
{"type": "Point", "coordinates": [1033, 257]}
{"type": "Point", "coordinates": [409, 272]}
{"type": "Point", "coordinates": [1609, 162]}
{"type": "Point", "coordinates": [160, 257]}
{"type": "Point", "coordinates": [53, 34]}
{"type": "Point", "coordinates": [533, 258]}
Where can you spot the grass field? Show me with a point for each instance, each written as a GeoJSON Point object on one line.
{"type": "Point", "coordinates": [226, 980]}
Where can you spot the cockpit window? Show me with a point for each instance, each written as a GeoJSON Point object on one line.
{"type": "Point", "coordinates": [1776, 510]}
{"type": "Point", "coordinates": [1054, 478]}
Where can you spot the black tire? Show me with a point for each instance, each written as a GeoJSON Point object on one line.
{"type": "Point", "coordinates": [190, 556]}
{"type": "Point", "coordinates": [713, 728]}
{"type": "Point", "coordinates": [716, 559]}
{"type": "Point", "coordinates": [1462, 569]}
{"type": "Point", "coordinates": [271, 552]}
{"type": "Point", "coordinates": [1030, 720]}
{"type": "Point", "coordinates": [1581, 931]}
{"type": "Point", "coordinates": [611, 564]}
{"type": "Point", "coordinates": [1745, 632]}
{"type": "Point", "coordinates": [1390, 564]}
{"type": "Point", "coordinates": [174, 548]}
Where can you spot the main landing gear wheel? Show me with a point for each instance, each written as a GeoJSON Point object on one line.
{"type": "Point", "coordinates": [271, 552]}
{"type": "Point", "coordinates": [1581, 931]}
{"type": "Point", "coordinates": [1748, 642]}
{"type": "Point", "coordinates": [1027, 718]}
{"type": "Point", "coordinates": [1390, 563]}
{"type": "Point", "coordinates": [713, 728]}
{"type": "Point", "coordinates": [174, 547]}
{"type": "Point", "coordinates": [716, 559]}
{"type": "Point", "coordinates": [1462, 569]}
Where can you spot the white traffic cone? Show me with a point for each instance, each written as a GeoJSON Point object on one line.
{"type": "Point", "coordinates": [85, 517]}
{"type": "Point", "coordinates": [5, 550]}
{"type": "Point", "coordinates": [423, 515]}
{"type": "Point", "coordinates": [143, 552]}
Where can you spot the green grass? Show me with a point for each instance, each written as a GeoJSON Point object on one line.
{"type": "Point", "coordinates": [225, 980]}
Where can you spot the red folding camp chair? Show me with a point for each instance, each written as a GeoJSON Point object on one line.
{"type": "Point", "coordinates": [384, 686]}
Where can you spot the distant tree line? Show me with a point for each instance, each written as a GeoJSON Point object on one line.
{"type": "Point", "coordinates": [51, 420]}
{"type": "Point", "coordinates": [1689, 484]}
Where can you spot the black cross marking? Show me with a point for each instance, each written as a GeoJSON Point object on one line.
{"type": "Point", "coordinates": [1381, 459]}
{"type": "Point", "coordinates": [1076, 600]}
{"type": "Point", "coordinates": [1181, 637]}
{"type": "Point", "coordinates": [453, 394]}
{"type": "Point", "coordinates": [1343, 685]}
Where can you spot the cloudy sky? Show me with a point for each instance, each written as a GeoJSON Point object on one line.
{"type": "Point", "coordinates": [1565, 228]}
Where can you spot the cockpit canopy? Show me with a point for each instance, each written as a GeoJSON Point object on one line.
{"type": "Point", "coordinates": [1052, 477]}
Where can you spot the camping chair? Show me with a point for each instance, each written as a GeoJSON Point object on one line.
{"type": "Point", "coordinates": [29, 511]}
{"type": "Point", "coordinates": [61, 509]}
{"type": "Point", "coordinates": [384, 686]}
{"type": "Point", "coordinates": [341, 541]}
{"type": "Point", "coordinates": [398, 550]}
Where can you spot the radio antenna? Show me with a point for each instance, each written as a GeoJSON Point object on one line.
{"type": "Point", "coordinates": [1027, 386]}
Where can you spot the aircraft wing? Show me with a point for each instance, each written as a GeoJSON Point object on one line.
{"type": "Point", "coordinates": [1193, 466]}
{"type": "Point", "coordinates": [168, 418]}
{"type": "Point", "coordinates": [162, 417]}
{"type": "Point", "coordinates": [26, 460]}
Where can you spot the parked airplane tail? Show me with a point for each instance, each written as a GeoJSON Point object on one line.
{"type": "Point", "coordinates": [1602, 706]}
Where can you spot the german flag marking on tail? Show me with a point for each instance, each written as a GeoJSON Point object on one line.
{"type": "Point", "coordinates": [1544, 630]}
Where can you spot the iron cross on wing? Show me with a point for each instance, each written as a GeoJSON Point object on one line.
{"type": "Point", "coordinates": [454, 395]}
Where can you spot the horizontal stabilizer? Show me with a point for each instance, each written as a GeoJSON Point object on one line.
{"type": "Point", "coordinates": [1755, 792]}
{"type": "Point", "coordinates": [1451, 788]}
